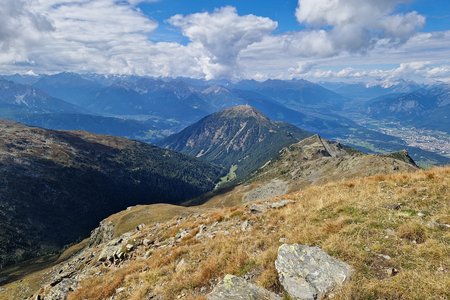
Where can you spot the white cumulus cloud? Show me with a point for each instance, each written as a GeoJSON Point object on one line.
{"type": "Point", "coordinates": [223, 34]}
{"type": "Point", "coordinates": [353, 25]}
{"type": "Point", "coordinates": [20, 29]}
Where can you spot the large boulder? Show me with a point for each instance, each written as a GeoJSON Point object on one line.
{"type": "Point", "coordinates": [232, 287]}
{"type": "Point", "coordinates": [308, 273]}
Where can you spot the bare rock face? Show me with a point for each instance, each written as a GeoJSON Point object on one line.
{"type": "Point", "coordinates": [102, 233]}
{"type": "Point", "coordinates": [232, 287]}
{"type": "Point", "coordinates": [308, 273]}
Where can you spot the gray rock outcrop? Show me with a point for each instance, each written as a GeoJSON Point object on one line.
{"type": "Point", "coordinates": [308, 273]}
{"type": "Point", "coordinates": [232, 287]}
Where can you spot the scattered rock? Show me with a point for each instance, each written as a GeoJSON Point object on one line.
{"type": "Point", "coordinates": [147, 242]}
{"type": "Point", "coordinates": [108, 252]}
{"type": "Point", "coordinates": [140, 227]}
{"type": "Point", "coordinates": [394, 206]}
{"type": "Point", "coordinates": [61, 290]}
{"type": "Point", "coordinates": [280, 204]}
{"type": "Point", "coordinates": [233, 287]}
{"type": "Point", "coordinates": [308, 273]}
{"type": "Point", "coordinates": [201, 231]}
{"type": "Point", "coordinates": [257, 208]}
{"type": "Point", "coordinates": [383, 256]}
{"type": "Point", "coordinates": [432, 224]}
{"type": "Point", "coordinates": [391, 272]}
{"type": "Point", "coordinates": [148, 253]}
{"type": "Point", "coordinates": [180, 265]}
{"type": "Point", "coordinates": [181, 234]}
{"type": "Point", "coordinates": [114, 251]}
{"type": "Point", "coordinates": [246, 226]}
{"type": "Point", "coordinates": [436, 225]}
{"type": "Point", "coordinates": [390, 232]}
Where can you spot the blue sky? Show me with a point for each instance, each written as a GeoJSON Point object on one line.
{"type": "Point", "coordinates": [282, 11]}
{"type": "Point", "coordinates": [340, 40]}
{"type": "Point", "coordinates": [437, 13]}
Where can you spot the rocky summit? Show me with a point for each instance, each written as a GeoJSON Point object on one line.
{"type": "Point", "coordinates": [240, 138]}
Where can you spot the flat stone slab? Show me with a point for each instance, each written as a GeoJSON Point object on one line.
{"type": "Point", "coordinates": [236, 288]}
{"type": "Point", "coordinates": [308, 273]}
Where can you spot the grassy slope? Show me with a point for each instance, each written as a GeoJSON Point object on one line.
{"type": "Point", "coordinates": [358, 221]}
{"type": "Point", "coordinates": [51, 178]}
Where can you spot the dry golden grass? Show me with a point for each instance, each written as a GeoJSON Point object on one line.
{"type": "Point", "coordinates": [375, 224]}
{"type": "Point", "coordinates": [412, 231]}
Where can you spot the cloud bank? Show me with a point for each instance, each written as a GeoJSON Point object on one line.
{"type": "Point", "coordinates": [353, 25]}
{"type": "Point", "coordinates": [335, 39]}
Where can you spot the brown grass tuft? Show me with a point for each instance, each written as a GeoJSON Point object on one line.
{"type": "Point", "coordinates": [412, 231]}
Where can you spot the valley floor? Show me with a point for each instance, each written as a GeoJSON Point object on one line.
{"type": "Point", "coordinates": [428, 140]}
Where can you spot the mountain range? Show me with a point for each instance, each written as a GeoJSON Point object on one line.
{"type": "Point", "coordinates": [150, 109]}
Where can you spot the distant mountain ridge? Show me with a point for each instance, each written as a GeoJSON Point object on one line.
{"type": "Point", "coordinates": [361, 91]}
{"type": "Point", "coordinates": [19, 98]}
{"type": "Point", "coordinates": [295, 94]}
{"type": "Point", "coordinates": [428, 107]}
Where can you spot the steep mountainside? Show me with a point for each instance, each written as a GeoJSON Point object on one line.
{"type": "Point", "coordinates": [428, 107]}
{"type": "Point", "coordinates": [240, 136]}
{"type": "Point", "coordinates": [328, 124]}
{"type": "Point", "coordinates": [56, 186]}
